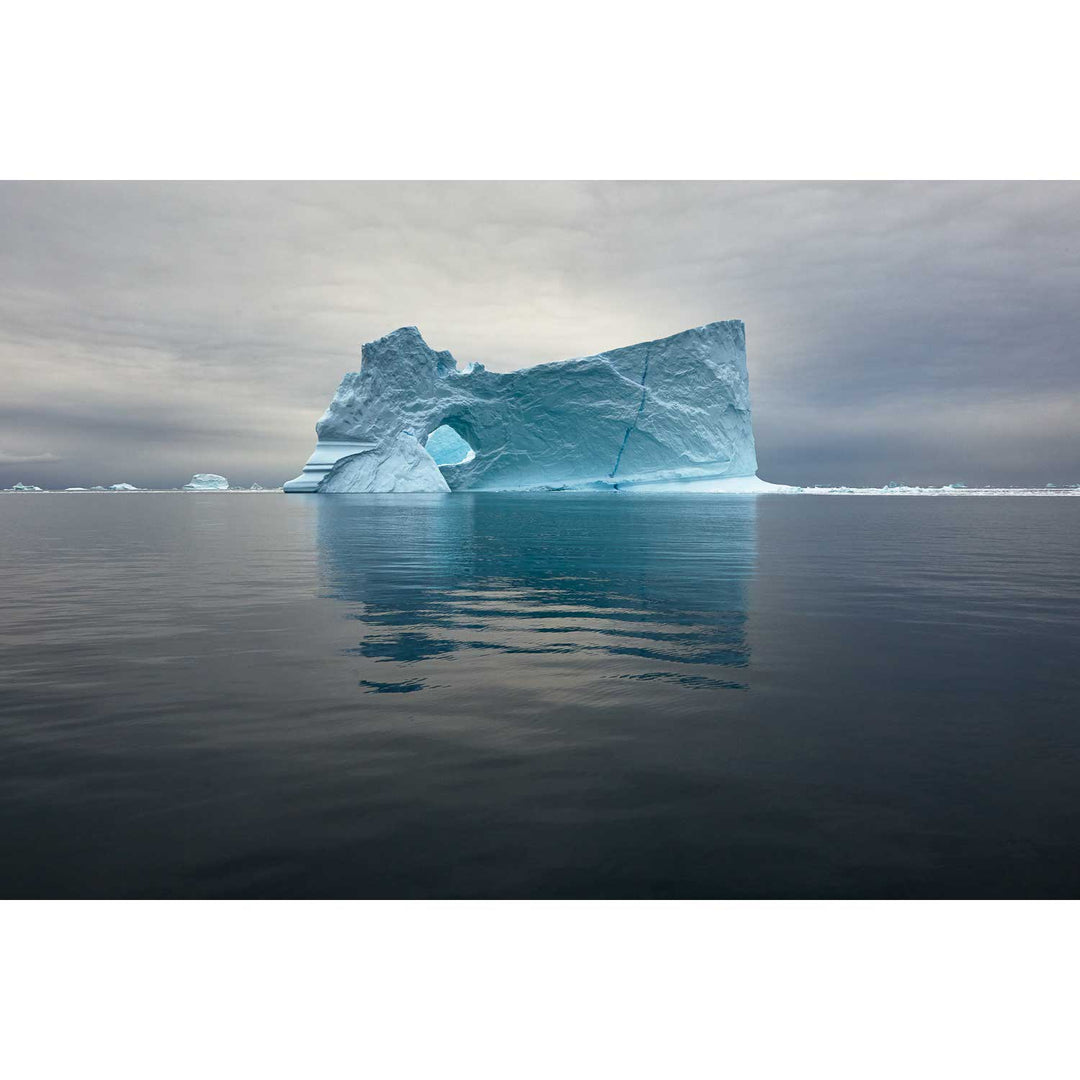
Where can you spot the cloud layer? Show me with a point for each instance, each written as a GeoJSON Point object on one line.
{"type": "Point", "coordinates": [925, 332]}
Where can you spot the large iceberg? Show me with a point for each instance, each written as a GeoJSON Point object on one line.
{"type": "Point", "coordinates": [672, 413]}
{"type": "Point", "coordinates": [206, 481]}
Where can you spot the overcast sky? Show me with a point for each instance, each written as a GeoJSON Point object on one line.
{"type": "Point", "coordinates": [919, 332]}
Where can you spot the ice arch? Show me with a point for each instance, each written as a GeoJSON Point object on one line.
{"type": "Point", "coordinates": [447, 447]}
{"type": "Point", "coordinates": [675, 410]}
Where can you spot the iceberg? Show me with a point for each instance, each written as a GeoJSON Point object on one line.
{"type": "Point", "coordinates": [670, 414]}
{"type": "Point", "coordinates": [206, 481]}
{"type": "Point", "coordinates": [402, 464]}
{"type": "Point", "coordinates": [25, 487]}
{"type": "Point", "coordinates": [123, 487]}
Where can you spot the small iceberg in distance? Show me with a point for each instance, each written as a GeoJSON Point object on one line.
{"type": "Point", "coordinates": [122, 487]}
{"type": "Point", "coordinates": [206, 481]}
{"type": "Point", "coordinates": [25, 487]}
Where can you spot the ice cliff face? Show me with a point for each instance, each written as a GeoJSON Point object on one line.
{"type": "Point", "coordinates": [666, 411]}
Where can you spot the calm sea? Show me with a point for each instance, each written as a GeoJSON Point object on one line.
{"type": "Point", "coordinates": [560, 695]}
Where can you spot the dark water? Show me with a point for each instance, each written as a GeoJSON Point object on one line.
{"type": "Point", "coordinates": [539, 696]}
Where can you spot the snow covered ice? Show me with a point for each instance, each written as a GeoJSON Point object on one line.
{"type": "Point", "coordinates": [398, 464]}
{"type": "Point", "coordinates": [671, 414]}
{"type": "Point", "coordinates": [207, 481]}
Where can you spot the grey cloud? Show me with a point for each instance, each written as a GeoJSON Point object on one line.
{"type": "Point", "coordinates": [8, 457]}
{"type": "Point", "coordinates": [922, 330]}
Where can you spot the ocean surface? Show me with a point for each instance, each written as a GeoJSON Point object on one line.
{"type": "Point", "coordinates": [558, 695]}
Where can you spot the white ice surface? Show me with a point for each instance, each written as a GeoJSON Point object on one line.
{"type": "Point", "coordinates": [949, 491]}
{"type": "Point", "coordinates": [401, 465]}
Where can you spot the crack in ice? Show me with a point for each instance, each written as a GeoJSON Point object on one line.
{"type": "Point", "coordinates": [641, 409]}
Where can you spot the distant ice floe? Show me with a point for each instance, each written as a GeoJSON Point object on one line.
{"type": "Point", "coordinates": [958, 490]}
{"type": "Point", "coordinates": [199, 482]}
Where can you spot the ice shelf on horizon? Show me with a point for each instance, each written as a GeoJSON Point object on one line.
{"type": "Point", "coordinates": [670, 414]}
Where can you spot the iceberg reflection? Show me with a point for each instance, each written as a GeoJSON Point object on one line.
{"type": "Point", "coordinates": [570, 585]}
